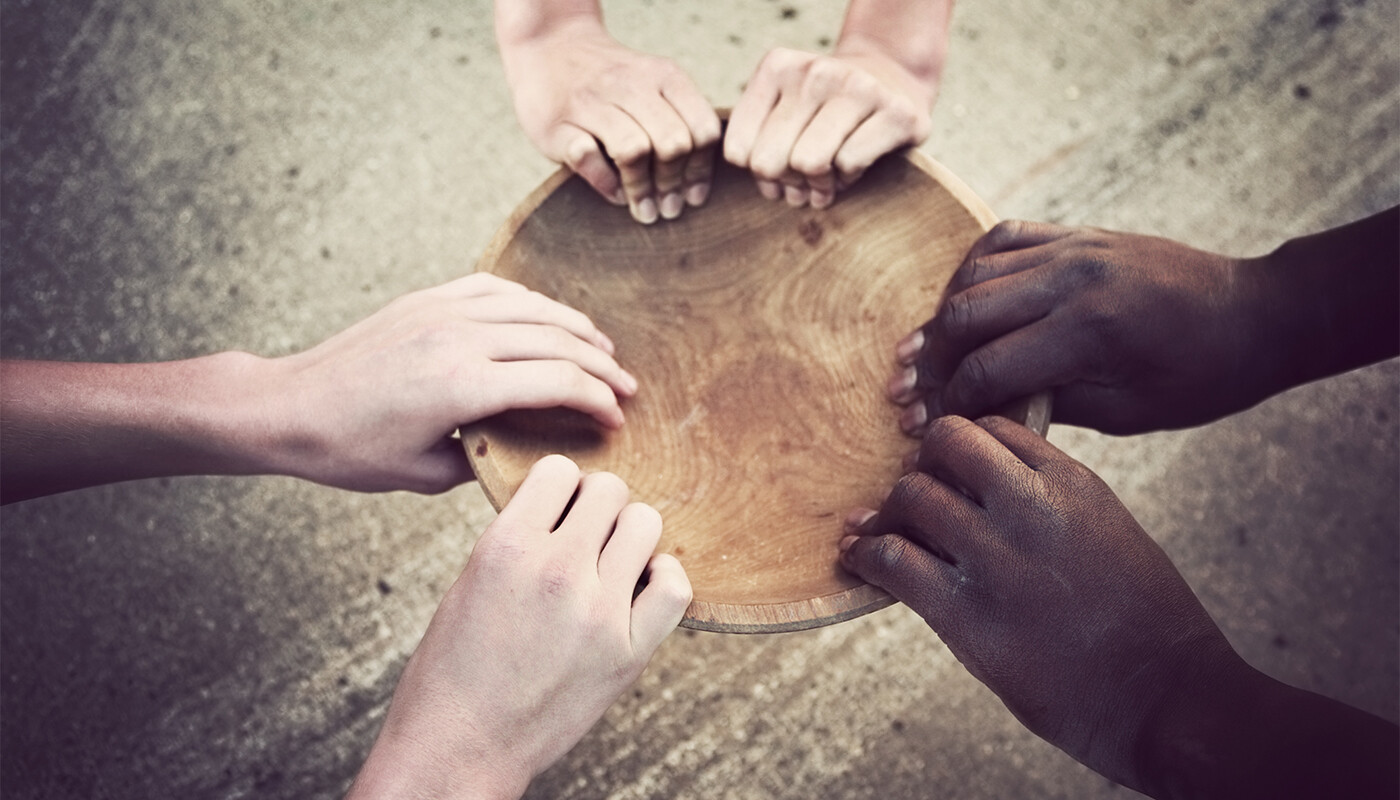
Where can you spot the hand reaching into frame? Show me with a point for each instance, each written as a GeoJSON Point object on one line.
{"type": "Point", "coordinates": [373, 408]}
{"type": "Point", "coordinates": [634, 126]}
{"type": "Point", "coordinates": [1048, 591]}
{"type": "Point", "coordinates": [808, 126]}
{"type": "Point", "coordinates": [378, 403]}
{"type": "Point", "coordinates": [534, 641]}
{"type": "Point", "coordinates": [1136, 333]}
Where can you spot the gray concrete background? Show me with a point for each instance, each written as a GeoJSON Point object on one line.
{"type": "Point", "coordinates": [184, 177]}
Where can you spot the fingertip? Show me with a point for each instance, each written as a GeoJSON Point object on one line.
{"type": "Point", "coordinates": [672, 205]}
{"type": "Point", "coordinates": [645, 211]}
{"type": "Point", "coordinates": [855, 523]}
{"type": "Point", "coordinates": [797, 198]}
{"type": "Point", "coordinates": [822, 200]}
{"type": "Point", "coordinates": [771, 190]}
{"type": "Point", "coordinates": [696, 195]}
{"type": "Point", "coordinates": [914, 419]}
{"type": "Point", "coordinates": [909, 347]}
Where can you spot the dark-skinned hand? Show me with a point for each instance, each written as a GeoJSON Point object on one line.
{"type": "Point", "coordinates": [1136, 333]}
{"type": "Point", "coordinates": [1131, 333]}
{"type": "Point", "coordinates": [1048, 591]}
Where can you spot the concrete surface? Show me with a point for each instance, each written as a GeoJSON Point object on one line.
{"type": "Point", "coordinates": [181, 177]}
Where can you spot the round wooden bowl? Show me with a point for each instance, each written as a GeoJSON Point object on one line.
{"type": "Point", "coordinates": [763, 337]}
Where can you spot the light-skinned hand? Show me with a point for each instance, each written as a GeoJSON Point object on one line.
{"type": "Point", "coordinates": [808, 125]}
{"type": "Point", "coordinates": [376, 405]}
{"type": "Point", "coordinates": [534, 641]}
{"type": "Point", "coordinates": [634, 126]}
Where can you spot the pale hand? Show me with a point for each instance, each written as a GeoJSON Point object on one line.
{"type": "Point", "coordinates": [634, 126]}
{"type": "Point", "coordinates": [534, 641]}
{"type": "Point", "coordinates": [375, 406]}
{"type": "Point", "coordinates": [808, 126]}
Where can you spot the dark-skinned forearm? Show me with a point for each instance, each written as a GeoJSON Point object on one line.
{"type": "Point", "coordinates": [1330, 302]}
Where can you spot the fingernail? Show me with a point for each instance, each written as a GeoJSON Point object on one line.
{"type": "Point", "coordinates": [698, 194]}
{"type": "Point", "coordinates": [902, 385]}
{"type": "Point", "coordinates": [606, 342]}
{"type": "Point", "coordinates": [619, 198]}
{"type": "Point", "coordinates": [769, 190]}
{"type": "Point", "coordinates": [913, 419]}
{"type": "Point", "coordinates": [856, 519]}
{"type": "Point", "coordinates": [821, 200]}
{"type": "Point", "coordinates": [645, 211]}
{"type": "Point", "coordinates": [845, 543]}
{"type": "Point", "coordinates": [909, 347]}
{"type": "Point", "coordinates": [672, 205]}
{"type": "Point", "coordinates": [630, 382]}
{"type": "Point", "coordinates": [795, 197]}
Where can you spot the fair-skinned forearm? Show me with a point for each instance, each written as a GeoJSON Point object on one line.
{"type": "Point", "coordinates": [68, 426]}
{"type": "Point", "coordinates": [913, 34]}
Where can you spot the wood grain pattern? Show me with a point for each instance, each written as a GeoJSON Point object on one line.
{"type": "Point", "coordinates": [762, 336]}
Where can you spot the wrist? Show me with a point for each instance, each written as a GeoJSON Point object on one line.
{"type": "Point", "coordinates": [400, 765]}
{"type": "Point", "coordinates": [522, 24]}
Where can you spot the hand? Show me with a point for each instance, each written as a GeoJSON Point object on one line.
{"type": "Point", "coordinates": [374, 407]}
{"type": "Point", "coordinates": [1131, 333]}
{"type": "Point", "coordinates": [808, 126]}
{"type": "Point", "coordinates": [533, 642]}
{"type": "Point", "coordinates": [634, 126]}
{"type": "Point", "coordinates": [1043, 586]}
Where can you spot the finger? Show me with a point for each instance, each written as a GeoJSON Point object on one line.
{"type": "Point", "coordinates": [1027, 445]}
{"type": "Point", "coordinates": [517, 342]}
{"type": "Point", "coordinates": [536, 506]}
{"type": "Point", "coordinates": [882, 132]}
{"type": "Point", "coordinates": [931, 512]}
{"type": "Point", "coordinates": [671, 146]}
{"type": "Point", "coordinates": [1007, 235]}
{"type": "Point", "coordinates": [590, 521]}
{"type": "Point", "coordinates": [699, 174]}
{"type": "Point", "coordinates": [536, 309]}
{"type": "Point", "coordinates": [578, 150]}
{"type": "Point", "coordinates": [814, 154]}
{"type": "Point", "coordinates": [748, 116]}
{"type": "Point", "coordinates": [478, 284]}
{"type": "Point", "coordinates": [661, 605]}
{"type": "Point", "coordinates": [628, 144]}
{"type": "Point", "coordinates": [987, 311]}
{"type": "Point", "coordinates": [1032, 359]}
{"type": "Point", "coordinates": [772, 150]}
{"type": "Point", "coordinates": [965, 456]}
{"type": "Point", "coordinates": [628, 550]}
{"type": "Point", "coordinates": [795, 196]}
{"type": "Point", "coordinates": [545, 384]}
{"type": "Point", "coordinates": [704, 127]}
{"type": "Point", "coordinates": [771, 190]}
{"type": "Point", "coordinates": [913, 575]}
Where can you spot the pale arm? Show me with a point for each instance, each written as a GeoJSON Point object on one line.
{"type": "Point", "coordinates": [373, 408]}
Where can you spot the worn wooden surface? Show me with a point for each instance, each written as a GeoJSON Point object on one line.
{"type": "Point", "coordinates": [185, 177]}
{"type": "Point", "coordinates": [761, 335]}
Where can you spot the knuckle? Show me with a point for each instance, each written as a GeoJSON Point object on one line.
{"type": "Point", "coordinates": [889, 554]}
{"type": "Point", "coordinates": [607, 482]}
{"type": "Point", "coordinates": [957, 317]}
{"type": "Point", "coordinates": [976, 373]}
{"type": "Point", "coordinates": [672, 146]}
{"type": "Point", "coordinates": [629, 149]}
{"type": "Point", "coordinates": [811, 163]}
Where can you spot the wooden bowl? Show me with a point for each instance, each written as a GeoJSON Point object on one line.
{"type": "Point", "coordinates": [763, 337]}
